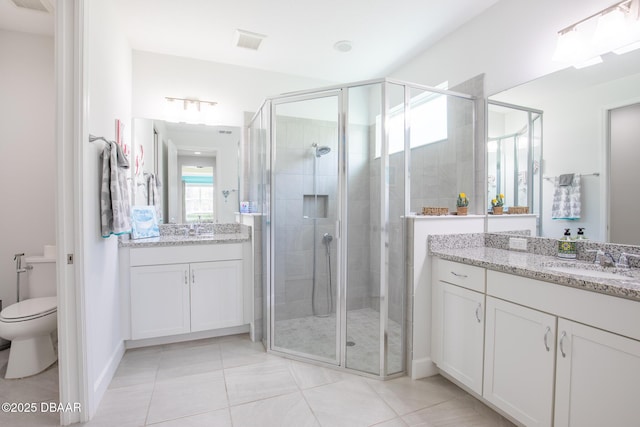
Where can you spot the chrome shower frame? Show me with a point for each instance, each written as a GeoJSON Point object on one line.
{"type": "Point", "coordinates": [340, 237]}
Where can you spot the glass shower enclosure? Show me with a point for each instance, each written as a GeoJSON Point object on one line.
{"type": "Point", "coordinates": [329, 172]}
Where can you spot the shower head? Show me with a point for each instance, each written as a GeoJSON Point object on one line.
{"type": "Point", "coordinates": [321, 151]}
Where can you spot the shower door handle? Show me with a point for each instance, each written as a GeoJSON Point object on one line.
{"type": "Point", "coordinates": [337, 233]}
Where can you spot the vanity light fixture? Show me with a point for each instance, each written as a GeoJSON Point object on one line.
{"type": "Point", "coordinates": [189, 110]}
{"type": "Point", "coordinates": [614, 29]}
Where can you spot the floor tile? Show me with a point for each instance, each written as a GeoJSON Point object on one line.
{"type": "Point", "coordinates": [405, 395]}
{"type": "Point", "coordinates": [123, 407]}
{"type": "Point", "coordinates": [259, 381]}
{"type": "Point", "coordinates": [177, 362]}
{"type": "Point", "coordinates": [348, 403]}
{"type": "Point", "coordinates": [308, 375]}
{"type": "Point", "coordinates": [219, 418]}
{"type": "Point", "coordinates": [42, 387]}
{"type": "Point", "coordinates": [290, 410]}
{"type": "Point", "coordinates": [185, 396]}
{"type": "Point", "coordinates": [459, 412]}
{"type": "Point", "coordinates": [239, 352]}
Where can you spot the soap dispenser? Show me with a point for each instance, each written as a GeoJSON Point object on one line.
{"type": "Point", "coordinates": [581, 235]}
{"type": "Point", "coordinates": [567, 246]}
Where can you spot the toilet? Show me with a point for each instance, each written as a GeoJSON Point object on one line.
{"type": "Point", "coordinates": [30, 323]}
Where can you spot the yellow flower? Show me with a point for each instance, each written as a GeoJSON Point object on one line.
{"type": "Point", "coordinates": [494, 201]}
{"type": "Point", "coordinates": [462, 195]}
{"type": "Point", "coordinates": [501, 196]}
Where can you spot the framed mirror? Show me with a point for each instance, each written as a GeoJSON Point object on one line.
{"type": "Point", "coordinates": [576, 105]}
{"type": "Point", "coordinates": [195, 168]}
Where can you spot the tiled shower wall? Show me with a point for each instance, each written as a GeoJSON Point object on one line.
{"type": "Point", "coordinates": [294, 178]}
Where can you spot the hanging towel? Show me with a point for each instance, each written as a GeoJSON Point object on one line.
{"type": "Point", "coordinates": [566, 179]}
{"type": "Point", "coordinates": [566, 199]}
{"type": "Point", "coordinates": [115, 210]}
{"type": "Point", "coordinates": [154, 194]}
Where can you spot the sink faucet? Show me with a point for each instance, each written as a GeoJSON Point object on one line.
{"type": "Point", "coordinates": [623, 261]}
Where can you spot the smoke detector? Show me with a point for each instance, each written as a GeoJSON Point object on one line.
{"type": "Point", "coordinates": [248, 40]}
{"type": "Point", "coordinates": [39, 5]}
{"type": "Point", "coordinates": [343, 46]}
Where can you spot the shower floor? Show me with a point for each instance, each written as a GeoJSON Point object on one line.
{"type": "Point", "coordinates": [317, 336]}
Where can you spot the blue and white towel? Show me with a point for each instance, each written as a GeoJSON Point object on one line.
{"type": "Point", "coordinates": [566, 198]}
{"type": "Point", "coordinates": [115, 209]}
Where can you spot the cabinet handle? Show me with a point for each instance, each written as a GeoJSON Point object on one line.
{"type": "Point", "coordinates": [186, 277]}
{"type": "Point", "coordinates": [193, 276]}
{"type": "Point", "coordinates": [464, 276]}
{"type": "Point", "coordinates": [478, 308]}
{"type": "Point", "coordinates": [562, 337]}
{"type": "Point", "coordinates": [546, 338]}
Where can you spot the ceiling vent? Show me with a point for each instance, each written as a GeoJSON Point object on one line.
{"type": "Point", "coordinates": [39, 5]}
{"type": "Point", "coordinates": [248, 40]}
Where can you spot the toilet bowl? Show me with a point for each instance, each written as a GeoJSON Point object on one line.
{"type": "Point", "coordinates": [30, 323]}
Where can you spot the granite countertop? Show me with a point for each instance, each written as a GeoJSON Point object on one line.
{"type": "Point", "coordinates": [536, 266]}
{"type": "Point", "coordinates": [175, 236]}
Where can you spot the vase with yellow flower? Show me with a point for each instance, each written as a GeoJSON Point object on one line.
{"type": "Point", "coordinates": [462, 204]}
{"type": "Point", "coordinates": [497, 204]}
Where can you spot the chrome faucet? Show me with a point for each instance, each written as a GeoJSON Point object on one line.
{"type": "Point", "coordinates": [623, 261]}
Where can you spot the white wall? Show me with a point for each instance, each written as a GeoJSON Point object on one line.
{"type": "Point", "coordinates": [108, 62]}
{"type": "Point", "coordinates": [236, 89]}
{"type": "Point", "coordinates": [511, 43]}
{"type": "Point", "coordinates": [27, 148]}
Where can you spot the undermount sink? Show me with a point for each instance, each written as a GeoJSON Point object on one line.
{"type": "Point", "coordinates": [590, 271]}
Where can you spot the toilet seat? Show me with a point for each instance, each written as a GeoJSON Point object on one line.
{"type": "Point", "coordinates": [29, 309]}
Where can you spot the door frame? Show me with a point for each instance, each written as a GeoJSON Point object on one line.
{"type": "Point", "coordinates": [340, 297]}
{"type": "Point", "coordinates": [71, 103]}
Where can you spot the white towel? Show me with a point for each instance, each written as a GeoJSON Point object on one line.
{"type": "Point", "coordinates": [115, 208]}
{"type": "Point", "coordinates": [154, 197]}
{"type": "Point", "coordinates": [566, 199]}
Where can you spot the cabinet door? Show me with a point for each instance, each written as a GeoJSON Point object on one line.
{"type": "Point", "coordinates": [519, 361]}
{"type": "Point", "coordinates": [216, 295]}
{"type": "Point", "coordinates": [597, 377]}
{"type": "Point", "coordinates": [461, 335]}
{"type": "Point", "coordinates": [159, 300]}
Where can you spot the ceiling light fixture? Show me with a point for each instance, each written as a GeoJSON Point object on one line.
{"type": "Point", "coordinates": [343, 46]}
{"type": "Point", "coordinates": [614, 29]}
{"type": "Point", "coordinates": [189, 110]}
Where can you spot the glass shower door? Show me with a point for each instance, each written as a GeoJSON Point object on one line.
{"type": "Point", "coordinates": [305, 206]}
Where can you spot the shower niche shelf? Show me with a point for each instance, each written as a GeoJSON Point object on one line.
{"type": "Point", "coordinates": [315, 206]}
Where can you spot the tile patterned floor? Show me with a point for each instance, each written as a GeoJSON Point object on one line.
{"type": "Point", "coordinates": [317, 336]}
{"type": "Point", "coordinates": [36, 389]}
{"type": "Point", "coordinates": [232, 382]}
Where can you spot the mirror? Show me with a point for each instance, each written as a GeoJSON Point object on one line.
{"type": "Point", "coordinates": [196, 166]}
{"type": "Point", "coordinates": [576, 104]}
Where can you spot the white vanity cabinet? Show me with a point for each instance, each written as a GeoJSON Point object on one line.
{"type": "Point", "coordinates": [553, 355]}
{"type": "Point", "coordinates": [458, 322]}
{"type": "Point", "coordinates": [185, 289]}
{"type": "Point", "coordinates": [519, 361]}
{"type": "Point", "coordinates": [596, 360]}
{"type": "Point", "coordinates": [160, 303]}
{"type": "Point", "coordinates": [597, 377]}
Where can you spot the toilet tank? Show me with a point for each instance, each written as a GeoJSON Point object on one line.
{"type": "Point", "coordinates": [40, 277]}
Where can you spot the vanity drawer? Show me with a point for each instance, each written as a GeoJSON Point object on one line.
{"type": "Point", "coordinates": [466, 276]}
{"type": "Point", "coordinates": [185, 254]}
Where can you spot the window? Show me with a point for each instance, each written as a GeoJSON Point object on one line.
{"type": "Point", "coordinates": [428, 122]}
{"type": "Point", "coordinates": [198, 193]}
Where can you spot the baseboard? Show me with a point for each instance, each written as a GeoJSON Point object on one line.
{"type": "Point", "coordinates": [147, 342]}
{"type": "Point", "coordinates": [422, 368]}
{"type": "Point", "coordinates": [101, 384]}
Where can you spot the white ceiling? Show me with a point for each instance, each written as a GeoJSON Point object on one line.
{"type": "Point", "coordinates": [300, 33]}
